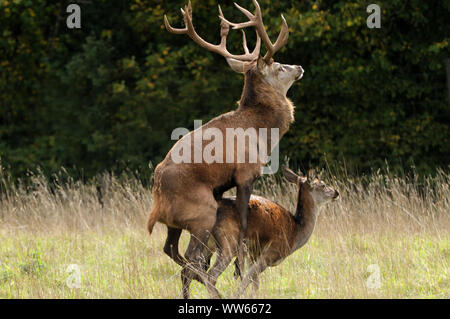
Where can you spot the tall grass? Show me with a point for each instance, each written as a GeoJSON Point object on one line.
{"type": "Point", "coordinates": [399, 224]}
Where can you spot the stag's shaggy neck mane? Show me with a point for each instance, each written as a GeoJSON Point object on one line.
{"type": "Point", "coordinates": [261, 96]}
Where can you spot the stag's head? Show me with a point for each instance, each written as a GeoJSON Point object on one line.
{"type": "Point", "coordinates": [279, 76]}
{"type": "Point", "coordinates": [312, 186]}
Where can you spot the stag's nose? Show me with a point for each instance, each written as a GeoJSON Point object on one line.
{"type": "Point", "coordinates": [336, 194]}
{"type": "Point", "coordinates": [300, 72]}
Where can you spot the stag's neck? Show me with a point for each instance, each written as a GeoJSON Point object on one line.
{"type": "Point", "coordinates": [270, 104]}
{"type": "Point", "coordinates": [305, 220]}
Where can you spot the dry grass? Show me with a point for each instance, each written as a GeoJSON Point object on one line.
{"type": "Point", "coordinates": [400, 224]}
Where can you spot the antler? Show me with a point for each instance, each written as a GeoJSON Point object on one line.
{"type": "Point", "coordinates": [219, 48]}
{"type": "Point", "coordinates": [255, 20]}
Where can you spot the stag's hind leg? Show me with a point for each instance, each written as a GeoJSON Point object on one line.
{"type": "Point", "coordinates": [171, 245]}
{"type": "Point", "coordinates": [243, 194]}
{"type": "Point", "coordinates": [200, 234]}
{"type": "Point", "coordinates": [197, 268]}
{"type": "Point", "coordinates": [194, 209]}
{"type": "Point", "coordinates": [200, 218]}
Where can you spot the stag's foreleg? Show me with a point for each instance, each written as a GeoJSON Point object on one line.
{"type": "Point", "coordinates": [242, 199]}
{"type": "Point", "coordinates": [197, 267]}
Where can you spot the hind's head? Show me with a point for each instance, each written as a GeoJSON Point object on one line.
{"type": "Point", "coordinates": [312, 186]}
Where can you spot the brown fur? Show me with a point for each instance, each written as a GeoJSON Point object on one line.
{"type": "Point", "coordinates": [186, 194]}
{"type": "Point", "coordinates": [271, 228]}
{"type": "Point", "coordinates": [260, 107]}
{"type": "Point", "coordinates": [268, 224]}
{"type": "Point", "coordinates": [273, 232]}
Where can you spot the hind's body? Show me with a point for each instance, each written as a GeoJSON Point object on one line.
{"type": "Point", "coordinates": [269, 224]}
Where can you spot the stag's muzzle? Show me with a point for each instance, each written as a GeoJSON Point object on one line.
{"type": "Point", "coordinates": [300, 72]}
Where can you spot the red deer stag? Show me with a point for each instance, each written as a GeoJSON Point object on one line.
{"type": "Point", "coordinates": [273, 232]}
{"type": "Point", "coordinates": [186, 194]}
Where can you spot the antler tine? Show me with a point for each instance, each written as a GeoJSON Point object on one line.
{"type": "Point", "coordinates": [245, 11]}
{"type": "Point", "coordinates": [171, 29]}
{"type": "Point", "coordinates": [283, 36]}
{"type": "Point", "coordinates": [178, 30]}
{"type": "Point", "coordinates": [244, 42]}
{"type": "Point", "coordinates": [226, 23]}
{"type": "Point", "coordinates": [219, 48]}
{"type": "Point", "coordinates": [256, 21]}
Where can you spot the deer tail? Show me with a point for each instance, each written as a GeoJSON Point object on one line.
{"type": "Point", "coordinates": [152, 219]}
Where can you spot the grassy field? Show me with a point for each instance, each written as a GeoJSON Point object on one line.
{"type": "Point", "coordinates": [387, 237]}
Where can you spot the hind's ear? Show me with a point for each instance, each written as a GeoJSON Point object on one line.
{"type": "Point", "coordinates": [311, 175]}
{"type": "Point", "coordinates": [319, 175]}
{"type": "Point", "coordinates": [290, 175]}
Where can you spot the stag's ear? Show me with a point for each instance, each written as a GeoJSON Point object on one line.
{"type": "Point", "coordinates": [236, 65]}
{"type": "Point", "coordinates": [290, 175]}
{"type": "Point", "coordinates": [261, 64]}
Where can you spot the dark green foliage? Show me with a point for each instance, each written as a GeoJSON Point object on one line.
{"type": "Point", "coordinates": [107, 96]}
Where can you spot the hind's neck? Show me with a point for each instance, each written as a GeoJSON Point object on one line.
{"type": "Point", "coordinates": [305, 219]}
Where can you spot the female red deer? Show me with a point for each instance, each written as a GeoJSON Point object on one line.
{"type": "Point", "coordinates": [273, 232]}
{"type": "Point", "coordinates": [186, 194]}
